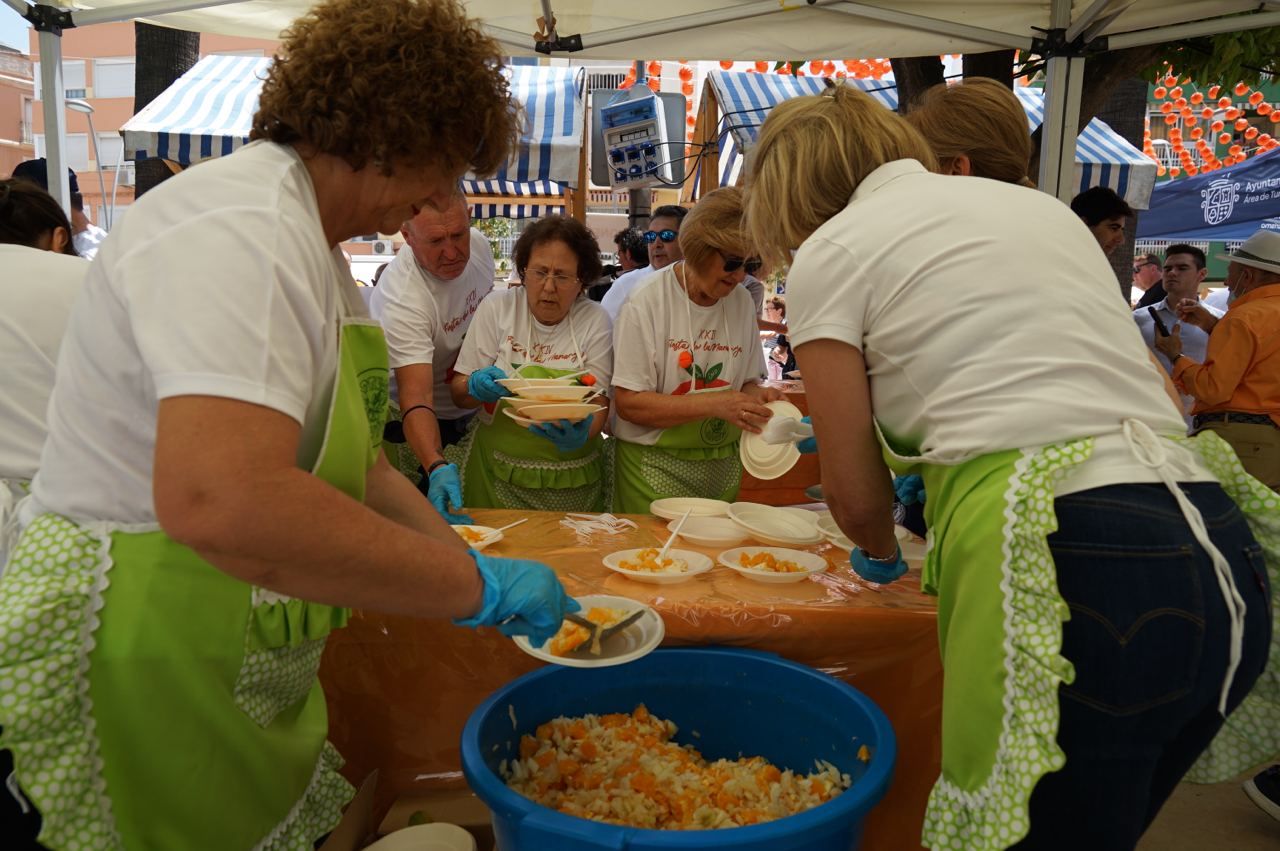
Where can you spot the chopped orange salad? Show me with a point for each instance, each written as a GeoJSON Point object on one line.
{"type": "Point", "coordinates": [646, 561]}
{"type": "Point", "coordinates": [572, 636]}
{"type": "Point", "coordinates": [625, 769]}
{"type": "Point", "coordinates": [767, 561]}
{"type": "Point", "coordinates": [471, 536]}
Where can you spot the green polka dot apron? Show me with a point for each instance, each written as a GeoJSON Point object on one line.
{"type": "Point", "coordinates": [1000, 622]}
{"type": "Point", "coordinates": [698, 458]}
{"type": "Point", "coordinates": [504, 465]}
{"type": "Point", "coordinates": [154, 702]}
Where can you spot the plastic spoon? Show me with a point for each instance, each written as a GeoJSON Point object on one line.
{"type": "Point", "coordinates": [501, 529]}
{"type": "Point", "coordinates": [674, 532]}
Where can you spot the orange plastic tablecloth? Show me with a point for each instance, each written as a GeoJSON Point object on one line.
{"type": "Point", "coordinates": [400, 689]}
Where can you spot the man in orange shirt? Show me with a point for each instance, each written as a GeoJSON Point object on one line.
{"type": "Point", "coordinates": [1237, 388]}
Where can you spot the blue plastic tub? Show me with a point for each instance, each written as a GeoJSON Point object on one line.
{"type": "Point", "coordinates": [740, 702]}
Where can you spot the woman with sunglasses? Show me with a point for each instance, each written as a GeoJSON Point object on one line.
{"type": "Point", "coordinates": [1102, 598]}
{"type": "Point", "coordinates": [664, 249]}
{"type": "Point", "coordinates": [689, 366]}
{"type": "Point", "coordinates": [545, 329]}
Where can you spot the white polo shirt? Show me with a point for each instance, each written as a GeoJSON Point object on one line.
{"type": "Point", "coordinates": [425, 318]}
{"type": "Point", "coordinates": [622, 287]}
{"type": "Point", "coordinates": [940, 282]}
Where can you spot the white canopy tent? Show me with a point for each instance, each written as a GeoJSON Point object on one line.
{"type": "Point", "coordinates": [1064, 31]}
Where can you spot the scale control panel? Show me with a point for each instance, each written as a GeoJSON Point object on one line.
{"type": "Point", "coordinates": [635, 140]}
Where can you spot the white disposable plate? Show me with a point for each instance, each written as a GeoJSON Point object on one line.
{"type": "Point", "coordinates": [709, 531]}
{"type": "Point", "coordinates": [627, 646]}
{"type": "Point", "coordinates": [524, 421]}
{"type": "Point", "coordinates": [697, 562]}
{"type": "Point", "coordinates": [512, 383]}
{"type": "Point", "coordinates": [550, 413]}
{"type": "Point", "coordinates": [773, 525]}
{"type": "Point", "coordinates": [769, 460]}
{"type": "Point", "coordinates": [426, 837]}
{"type": "Point", "coordinates": [483, 530]}
{"type": "Point", "coordinates": [827, 526]}
{"type": "Point", "coordinates": [810, 517]}
{"type": "Point", "coordinates": [674, 507]}
{"type": "Point", "coordinates": [554, 393]}
{"type": "Point", "coordinates": [811, 563]}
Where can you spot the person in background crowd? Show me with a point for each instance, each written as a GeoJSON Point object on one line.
{"type": "Point", "coordinates": [1147, 273]}
{"type": "Point", "coordinates": [1104, 213]}
{"type": "Point", "coordinates": [377, 274]}
{"type": "Point", "coordinates": [1184, 271]}
{"type": "Point", "coordinates": [772, 328]}
{"type": "Point", "coordinates": [976, 127]}
{"type": "Point", "coordinates": [690, 330]}
{"type": "Point", "coordinates": [85, 234]}
{"type": "Point", "coordinates": [212, 496]}
{"type": "Point", "coordinates": [664, 249]}
{"type": "Point", "coordinates": [41, 279]}
{"type": "Point", "coordinates": [425, 302]}
{"type": "Point", "coordinates": [1237, 386]}
{"type": "Point", "coordinates": [775, 315]}
{"type": "Point", "coordinates": [1060, 484]}
{"type": "Point", "coordinates": [633, 251]}
{"type": "Point", "coordinates": [544, 329]}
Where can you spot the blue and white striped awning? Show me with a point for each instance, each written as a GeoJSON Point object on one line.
{"type": "Point", "coordinates": [208, 112]}
{"type": "Point", "coordinates": [545, 198]}
{"type": "Point", "coordinates": [1103, 157]}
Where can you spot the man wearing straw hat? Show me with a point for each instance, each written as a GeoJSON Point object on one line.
{"type": "Point", "coordinates": [1237, 388]}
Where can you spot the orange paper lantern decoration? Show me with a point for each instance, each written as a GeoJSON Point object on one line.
{"type": "Point", "coordinates": [1166, 107]}
{"type": "Point", "coordinates": [1188, 116]}
{"type": "Point", "coordinates": [1256, 98]}
{"type": "Point", "coordinates": [653, 83]}
{"type": "Point", "coordinates": [1251, 133]}
{"type": "Point", "coordinates": [1190, 120]}
{"type": "Point", "coordinates": [828, 67]}
{"type": "Point", "coordinates": [726, 64]}
{"type": "Point", "coordinates": [1171, 119]}
{"type": "Point", "coordinates": [1207, 112]}
{"type": "Point", "coordinates": [1235, 150]}
{"type": "Point", "coordinates": [686, 89]}
{"type": "Point", "coordinates": [1197, 132]}
{"type": "Point", "coordinates": [1175, 171]}
{"type": "Point", "coordinates": [1180, 103]}
{"type": "Point", "coordinates": [1197, 98]}
{"type": "Point", "coordinates": [1213, 92]}
{"type": "Point", "coordinates": [686, 73]}
{"type": "Point", "coordinates": [1160, 170]}
{"type": "Point", "coordinates": [1223, 103]}
{"type": "Point", "coordinates": [1275, 116]}
{"type": "Point", "coordinates": [1175, 92]}
{"type": "Point", "coordinates": [1242, 124]}
{"type": "Point", "coordinates": [1224, 139]}
{"type": "Point", "coordinates": [1232, 114]}
{"type": "Point", "coordinates": [654, 68]}
{"type": "Point", "coordinates": [1241, 88]}
{"type": "Point", "coordinates": [690, 120]}
{"type": "Point", "coordinates": [1192, 171]}
{"type": "Point", "coordinates": [1264, 109]}
{"type": "Point", "coordinates": [815, 67]}
{"type": "Point", "coordinates": [1171, 81]}
{"type": "Point", "coordinates": [762, 67]}
{"type": "Point", "coordinates": [1160, 92]}
{"type": "Point", "coordinates": [688, 105]}
{"type": "Point", "coordinates": [1217, 126]}
{"type": "Point", "coordinates": [840, 75]}
{"type": "Point", "coordinates": [784, 68]}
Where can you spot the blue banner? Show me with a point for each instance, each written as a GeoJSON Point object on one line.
{"type": "Point", "coordinates": [1228, 204]}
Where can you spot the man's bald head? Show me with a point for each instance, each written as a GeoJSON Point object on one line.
{"type": "Point", "coordinates": [441, 239]}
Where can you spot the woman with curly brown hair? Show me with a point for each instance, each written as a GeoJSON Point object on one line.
{"type": "Point", "coordinates": [213, 496]}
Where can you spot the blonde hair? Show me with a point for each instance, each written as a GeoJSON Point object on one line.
{"type": "Point", "coordinates": [978, 118]}
{"type": "Point", "coordinates": [713, 225]}
{"type": "Point", "coordinates": [812, 154]}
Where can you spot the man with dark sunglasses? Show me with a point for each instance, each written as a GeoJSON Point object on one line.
{"type": "Point", "coordinates": [1148, 272]}
{"type": "Point", "coordinates": [664, 249]}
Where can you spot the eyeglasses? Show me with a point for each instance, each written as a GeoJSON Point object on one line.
{"type": "Point", "coordinates": [1139, 266]}
{"type": "Point", "coordinates": [652, 236]}
{"type": "Point", "coordinates": [541, 276]}
{"type": "Point", "coordinates": [750, 264]}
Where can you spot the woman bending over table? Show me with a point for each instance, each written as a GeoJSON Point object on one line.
{"type": "Point", "coordinates": [689, 366]}
{"type": "Point", "coordinates": [1060, 485]}
{"type": "Point", "coordinates": [547, 328]}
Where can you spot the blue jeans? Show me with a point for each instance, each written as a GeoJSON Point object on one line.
{"type": "Point", "coordinates": [1149, 637]}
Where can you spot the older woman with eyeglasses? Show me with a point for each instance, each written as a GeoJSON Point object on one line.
{"type": "Point", "coordinates": [544, 329]}
{"type": "Point", "coordinates": [689, 366]}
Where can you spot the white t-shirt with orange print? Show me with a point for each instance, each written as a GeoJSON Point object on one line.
{"type": "Point", "coordinates": [664, 343]}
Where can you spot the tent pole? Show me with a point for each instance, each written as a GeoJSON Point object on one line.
{"type": "Point", "coordinates": [1064, 77]}
{"type": "Point", "coordinates": [145, 9]}
{"type": "Point", "coordinates": [54, 96]}
{"type": "Point", "coordinates": [1177, 32]}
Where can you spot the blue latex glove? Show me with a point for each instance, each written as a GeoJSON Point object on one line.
{"type": "Point", "coordinates": [520, 598]}
{"type": "Point", "coordinates": [809, 445]}
{"type": "Point", "coordinates": [443, 487]}
{"type": "Point", "coordinates": [567, 436]}
{"type": "Point", "coordinates": [909, 489]}
{"type": "Point", "coordinates": [483, 384]}
{"type": "Point", "coordinates": [879, 572]}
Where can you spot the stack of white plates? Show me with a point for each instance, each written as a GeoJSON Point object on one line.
{"type": "Point", "coordinates": [769, 460]}
{"type": "Point", "coordinates": [674, 507]}
{"type": "Point", "coordinates": [710, 531]}
{"type": "Point", "coordinates": [554, 392]}
{"type": "Point", "coordinates": [784, 526]}
{"type": "Point", "coordinates": [543, 412]}
{"type": "Point", "coordinates": [827, 526]}
{"type": "Point", "coordinates": [514, 384]}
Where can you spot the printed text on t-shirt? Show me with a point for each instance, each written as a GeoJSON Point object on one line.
{"type": "Point", "coordinates": [473, 301]}
{"type": "Point", "coordinates": [706, 342]}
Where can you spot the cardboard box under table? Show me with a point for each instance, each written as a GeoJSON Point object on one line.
{"type": "Point", "coordinates": [400, 689]}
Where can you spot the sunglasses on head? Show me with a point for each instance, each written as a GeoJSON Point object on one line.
{"type": "Point", "coordinates": [750, 265]}
{"type": "Point", "coordinates": [1137, 267]}
{"type": "Point", "coordinates": [667, 235]}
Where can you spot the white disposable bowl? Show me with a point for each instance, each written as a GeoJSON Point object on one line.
{"type": "Point", "coordinates": [628, 645]}
{"type": "Point", "coordinates": [827, 526]}
{"type": "Point", "coordinates": [697, 562]}
{"type": "Point", "coordinates": [773, 525]}
{"type": "Point", "coordinates": [769, 460]}
{"type": "Point", "coordinates": [811, 563]}
{"type": "Point", "coordinates": [513, 383]}
{"type": "Point", "coordinates": [426, 837]}
{"type": "Point", "coordinates": [483, 530]}
{"type": "Point", "coordinates": [674, 507]}
{"type": "Point", "coordinates": [554, 393]}
{"type": "Point", "coordinates": [709, 531]}
{"type": "Point", "coordinates": [573, 412]}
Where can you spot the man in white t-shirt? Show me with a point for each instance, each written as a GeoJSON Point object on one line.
{"type": "Point", "coordinates": [1184, 271]}
{"type": "Point", "coordinates": [664, 249]}
{"type": "Point", "coordinates": [425, 301]}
